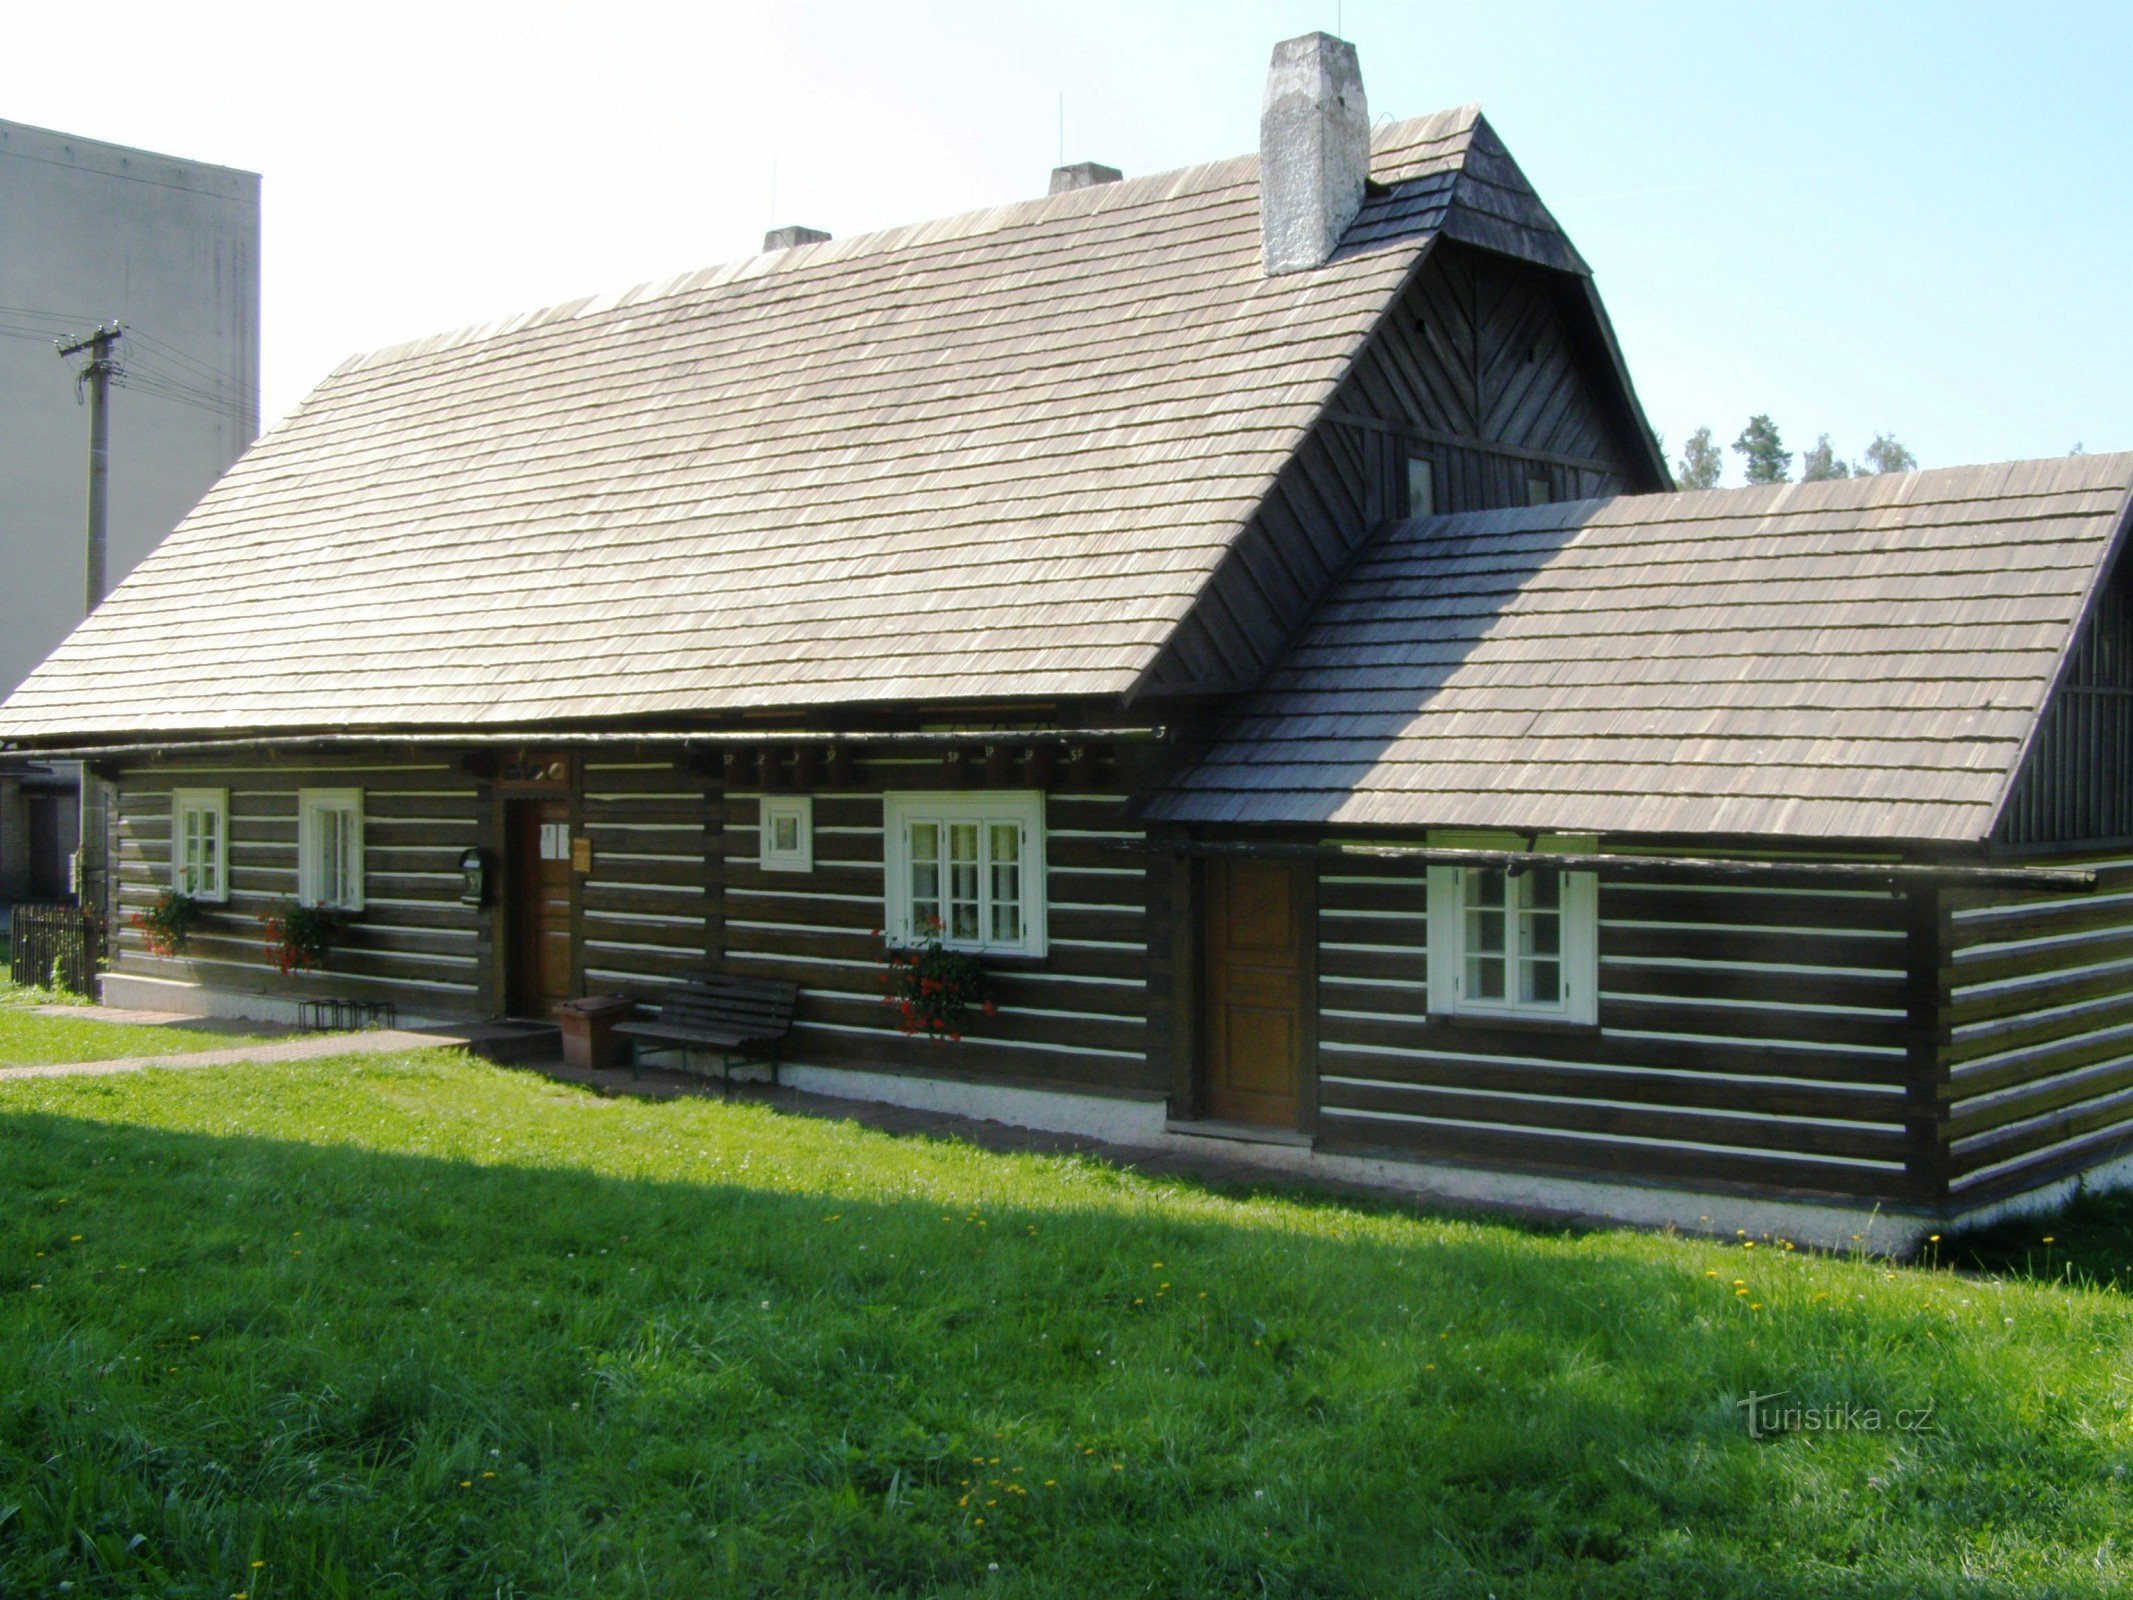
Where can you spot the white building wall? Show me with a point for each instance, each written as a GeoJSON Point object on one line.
{"type": "Point", "coordinates": [91, 232]}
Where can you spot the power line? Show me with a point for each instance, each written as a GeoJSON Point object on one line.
{"type": "Point", "coordinates": [176, 396]}
{"type": "Point", "coordinates": [63, 322]}
{"type": "Point", "coordinates": [155, 369]}
{"type": "Point", "coordinates": [206, 369]}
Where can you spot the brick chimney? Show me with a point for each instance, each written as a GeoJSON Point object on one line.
{"type": "Point", "coordinates": [1314, 151]}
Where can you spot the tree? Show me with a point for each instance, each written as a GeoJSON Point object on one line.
{"type": "Point", "coordinates": [1820, 464]}
{"type": "Point", "coordinates": [1764, 456]}
{"type": "Point", "coordinates": [1700, 464]}
{"type": "Point", "coordinates": [1886, 455]}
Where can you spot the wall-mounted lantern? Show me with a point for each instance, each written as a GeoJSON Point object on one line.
{"type": "Point", "coordinates": [474, 877]}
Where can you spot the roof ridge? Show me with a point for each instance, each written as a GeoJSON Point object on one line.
{"type": "Point", "coordinates": [1387, 137]}
{"type": "Point", "coordinates": [2101, 470]}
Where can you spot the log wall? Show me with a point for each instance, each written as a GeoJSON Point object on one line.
{"type": "Point", "coordinates": [1747, 1036]}
{"type": "Point", "coordinates": [1075, 1018]}
{"type": "Point", "coordinates": [649, 910]}
{"type": "Point", "coordinates": [414, 943]}
{"type": "Point", "coordinates": [2039, 1036]}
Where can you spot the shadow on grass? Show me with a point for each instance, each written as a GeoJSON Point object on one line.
{"type": "Point", "coordinates": [2085, 1244]}
{"type": "Point", "coordinates": [765, 1356]}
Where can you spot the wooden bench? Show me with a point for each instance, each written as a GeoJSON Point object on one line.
{"type": "Point", "coordinates": [743, 1019]}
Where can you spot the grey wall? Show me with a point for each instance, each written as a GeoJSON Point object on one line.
{"type": "Point", "coordinates": [169, 248]}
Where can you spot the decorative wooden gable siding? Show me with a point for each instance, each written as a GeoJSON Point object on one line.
{"type": "Point", "coordinates": [2077, 781]}
{"type": "Point", "coordinates": [1492, 370]}
{"type": "Point", "coordinates": [1748, 1036]}
{"type": "Point", "coordinates": [1497, 374]}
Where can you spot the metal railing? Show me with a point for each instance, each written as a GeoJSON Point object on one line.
{"type": "Point", "coordinates": [345, 1016]}
{"type": "Point", "coordinates": [56, 947]}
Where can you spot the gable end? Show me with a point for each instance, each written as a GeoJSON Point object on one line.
{"type": "Point", "coordinates": [2075, 783]}
{"type": "Point", "coordinates": [1498, 374]}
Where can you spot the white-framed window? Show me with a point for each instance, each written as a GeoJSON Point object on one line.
{"type": "Point", "coordinates": [200, 843]}
{"type": "Point", "coordinates": [329, 844]}
{"type": "Point", "coordinates": [1514, 942]}
{"type": "Point", "coordinates": [787, 833]}
{"type": "Point", "coordinates": [972, 862]}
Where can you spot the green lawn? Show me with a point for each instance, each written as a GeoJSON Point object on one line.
{"type": "Point", "coordinates": [28, 1039]}
{"type": "Point", "coordinates": [416, 1326]}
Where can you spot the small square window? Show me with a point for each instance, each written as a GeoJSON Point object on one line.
{"type": "Point", "coordinates": [1538, 489]}
{"type": "Point", "coordinates": [788, 833]}
{"type": "Point", "coordinates": [199, 843]}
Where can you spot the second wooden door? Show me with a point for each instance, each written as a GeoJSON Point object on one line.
{"type": "Point", "coordinates": [1252, 1023]}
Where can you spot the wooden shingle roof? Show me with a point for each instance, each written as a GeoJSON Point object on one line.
{"type": "Point", "coordinates": [1858, 659]}
{"type": "Point", "coordinates": [994, 455]}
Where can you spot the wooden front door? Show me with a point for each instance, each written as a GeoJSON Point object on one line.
{"type": "Point", "coordinates": [537, 881]}
{"type": "Point", "coordinates": [1252, 991]}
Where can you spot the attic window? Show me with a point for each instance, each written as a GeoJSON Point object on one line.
{"type": "Point", "coordinates": [1421, 487]}
{"type": "Point", "coordinates": [1539, 491]}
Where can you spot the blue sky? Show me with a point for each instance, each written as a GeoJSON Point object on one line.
{"type": "Point", "coordinates": [1905, 217]}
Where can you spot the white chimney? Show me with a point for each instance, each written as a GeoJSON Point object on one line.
{"type": "Point", "coordinates": [1314, 151]}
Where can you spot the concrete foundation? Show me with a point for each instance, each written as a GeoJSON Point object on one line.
{"type": "Point", "coordinates": [186, 998]}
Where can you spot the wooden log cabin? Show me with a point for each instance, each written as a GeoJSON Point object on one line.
{"type": "Point", "coordinates": [1246, 606]}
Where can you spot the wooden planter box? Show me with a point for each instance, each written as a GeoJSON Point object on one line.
{"type": "Point", "coordinates": [589, 1039]}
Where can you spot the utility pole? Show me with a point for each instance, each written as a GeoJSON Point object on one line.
{"type": "Point", "coordinates": [95, 378]}
{"type": "Point", "coordinates": [93, 382]}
